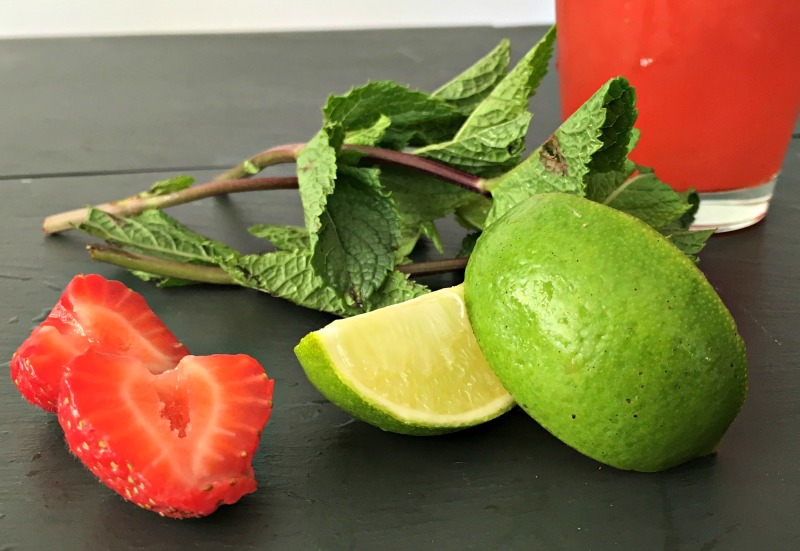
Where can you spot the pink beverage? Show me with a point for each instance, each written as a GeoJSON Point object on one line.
{"type": "Point", "coordinates": [717, 85]}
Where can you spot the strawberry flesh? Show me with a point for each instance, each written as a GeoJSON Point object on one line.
{"type": "Point", "coordinates": [92, 312]}
{"type": "Point", "coordinates": [180, 442]}
{"type": "Point", "coordinates": [38, 364]}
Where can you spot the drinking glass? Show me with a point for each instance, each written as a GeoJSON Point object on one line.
{"type": "Point", "coordinates": [717, 86]}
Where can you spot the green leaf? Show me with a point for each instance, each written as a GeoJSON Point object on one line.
{"type": "Point", "coordinates": [416, 117]}
{"type": "Point", "coordinates": [636, 190]}
{"type": "Point", "coordinates": [409, 237]}
{"type": "Point", "coordinates": [171, 185]}
{"type": "Point", "coordinates": [429, 230]}
{"type": "Point", "coordinates": [687, 219]}
{"type": "Point", "coordinates": [468, 89]}
{"type": "Point", "coordinates": [358, 235]}
{"type": "Point", "coordinates": [595, 138]}
{"type": "Point", "coordinates": [282, 237]}
{"type": "Point", "coordinates": [493, 137]}
{"type": "Point", "coordinates": [288, 275]}
{"type": "Point", "coordinates": [163, 281]}
{"type": "Point", "coordinates": [467, 244]}
{"type": "Point", "coordinates": [472, 213]}
{"type": "Point", "coordinates": [600, 185]}
{"type": "Point", "coordinates": [510, 97]}
{"type": "Point", "coordinates": [396, 289]}
{"type": "Point", "coordinates": [649, 199]}
{"type": "Point", "coordinates": [250, 167]}
{"type": "Point", "coordinates": [644, 196]}
{"type": "Point", "coordinates": [690, 242]}
{"type": "Point", "coordinates": [419, 200]}
{"type": "Point", "coordinates": [316, 176]}
{"type": "Point", "coordinates": [487, 151]}
{"type": "Point", "coordinates": [371, 135]}
{"type": "Point", "coordinates": [157, 234]}
{"type": "Point", "coordinates": [678, 231]}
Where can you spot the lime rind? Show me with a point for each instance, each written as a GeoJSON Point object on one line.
{"type": "Point", "coordinates": [615, 342]}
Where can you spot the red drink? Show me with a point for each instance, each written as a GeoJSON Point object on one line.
{"type": "Point", "coordinates": [717, 81]}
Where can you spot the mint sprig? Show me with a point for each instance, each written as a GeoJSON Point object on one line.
{"type": "Point", "coordinates": [467, 90]}
{"type": "Point", "coordinates": [593, 140]}
{"type": "Point", "coordinates": [359, 233]}
{"type": "Point", "coordinates": [492, 138]}
{"type": "Point", "coordinates": [368, 199]}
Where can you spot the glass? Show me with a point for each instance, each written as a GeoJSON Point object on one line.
{"type": "Point", "coordinates": [717, 85]}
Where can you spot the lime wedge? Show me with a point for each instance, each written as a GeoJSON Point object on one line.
{"type": "Point", "coordinates": [410, 368]}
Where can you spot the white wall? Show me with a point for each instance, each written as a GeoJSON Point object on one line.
{"type": "Point", "coordinates": [38, 18]}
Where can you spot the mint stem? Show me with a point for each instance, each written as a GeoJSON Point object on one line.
{"type": "Point", "coordinates": [288, 153]}
{"type": "Point", "coordinates": [433, 266]}
{"type": "Point", "coordinates": [274, 156]}
{"type": "Point", "coordinates": [415, 162]}
{"type": "Point", "coordinates": [218, 276]}
{"type": "Point", "coordinates": [239, 179]}
{"type": "Point", "coordinates": [137, 204]}
{"type": "Point", "coordinates": [159, 266]}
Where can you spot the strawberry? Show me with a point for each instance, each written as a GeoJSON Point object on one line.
{"type": "Point", "coordinates": [92, 312]}
{"type": "Point", "coordinates": [179, 443]}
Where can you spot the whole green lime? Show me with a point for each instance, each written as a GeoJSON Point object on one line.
{"type": "Point", "coordinates": [605, 333]}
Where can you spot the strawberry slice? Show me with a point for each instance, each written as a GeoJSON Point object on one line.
{"type": "Point", "coordinates": [179, 443]}
{"type": "Point", "coordinates": [96, 312]}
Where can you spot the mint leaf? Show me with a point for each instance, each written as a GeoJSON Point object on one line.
{"type": "Point", "coordinates": [468, 89]}
{"type": "Point", "coordinates": [288, 275]}
{"type": "Point", "coordinates": [486, 151]}
{"type": "Point", "coordinates": [510, 97]}
{"type": "Point", "coordinates": [467, 244]}
{"type": "Point", "coordinates": [493, 137]}
{"type": "Point", "coordinates": [396, 289]}
{"type": "Point", "coordinates": [690, 242]}
{"type": "Point", "coordinates": [687, 218]}
{"type": "Point", "coordinates": [162, 281]}
{"type": "Point", "coordinates": [170, 185]}
{"type": "Point", "coordinates": [429, 230]}
{"type": "Point", "coordinates": [644, 196]}
{"type": "Point", "coordinates": [472, 213]}
{"type": "Point", "coordinates": [636, 190]}
{"type": "Point", "coordinates": [316, 176]}
{"type": "Point", "coordinates": [416, 117]}
{"type": "Point", "coordinates": [250, 167]}
{"type": "Point", "coordinates": [600, 185]}
{"type": "Point", "coordinates": [419, 200]}
{"type": "Point", "coordinates": [422, 198]}
{"type": "Point", "coordinates": [595, 138]}
{"type": "Point", "coordinates": [678, 231]}
{"type": "Point", "coordinates": [282, 237]}
{"type": "Point", "coordinates": [156, 234]}
{"type": "Point", "coordinates": [649, 199]}
{"type": "Point", "coordinates": [358, 235]}
{"type": "Point", "coordinates": [371, 135]}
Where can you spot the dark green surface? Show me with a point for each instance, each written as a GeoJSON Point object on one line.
{"type": "Point", "coordinates": [92, 104]}
{"type": "Point", "coordinates": [326, 482]}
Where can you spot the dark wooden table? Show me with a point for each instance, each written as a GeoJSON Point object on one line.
{"type": "Point", "coordinates": [88, 120]}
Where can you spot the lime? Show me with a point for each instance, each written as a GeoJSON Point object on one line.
{"type": "Point", "coordinates": [411, 368]}
{"type": "Point", "coordinates": [605, 333]}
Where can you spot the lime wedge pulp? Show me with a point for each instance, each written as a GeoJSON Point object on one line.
{"type": "Point", "coordinates": [411, 368]}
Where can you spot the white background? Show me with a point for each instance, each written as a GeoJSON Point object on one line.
{"type": "Point", "coordinates": [37, 18]}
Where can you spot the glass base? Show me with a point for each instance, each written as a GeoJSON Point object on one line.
{"type": "Point", "coordinates": [733, 210]}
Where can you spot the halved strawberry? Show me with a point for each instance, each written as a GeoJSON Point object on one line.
{"type": "Point", "coordinates": [97, 312]}
{"type": "Point", "coordinates": [179, 443]}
